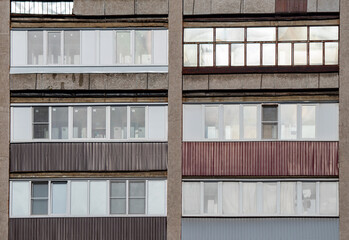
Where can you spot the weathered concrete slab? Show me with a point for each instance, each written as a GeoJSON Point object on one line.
{"type": "Point", "coordinates": [328, 5]}
{"type": "Point", "coordinates": [312, 6]}
{"type": "Point", "coordinates": [202, 6]}
{"type": "Point", "coordinates": [88, 7]}
{"type": "Point", "coordinates": [119, 7]}
{"type": "Point", "coordinates": [195, 82]}
{"type": "Point", "coordinates": [22, 81]}
{"type": "Point", "coordinates": [188, 7]}
{"type": "Point", "coordinates": [329, 80]}
{"type": "Point", "coordinates": [226, 6]}
{"type": "Point", "coordinates": [157, 81]}
{"type": "Point", "coordinates": [151, 7]}
{"type": "Point", "coordinates": [290, 81]}
{"type": "Point", "coordinates": [62, 81]}
{"type": "Point", "coordinates": [234, 81]}
{"type": "Point", "coordinates": [126, 81]}
{"type": "Point", "coordinates": [259, 6]}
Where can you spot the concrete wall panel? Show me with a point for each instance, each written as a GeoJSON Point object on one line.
{"type": "Point", "coordinates": [329, 80]}
{"type": "Point", "coordinates": [188, 7]}
{"type": "Point", "coordinates": [202, 6]}
{"type": "Point", "coordinates": [259, 6]}
{"type": "Point", "coordinates": [151, 6]}
{"type": "Point", "coordinates": [120, 7]}
{"type": "Point", "coordinates": [290, 81]}
{"type": "Point", "coordinates": [195, 82]}
{"type": "Point", "coordinates": [62, 81]}
{"type": "Point", "coordinates": [88, 7]}
{"type": "Point", "coordinates": [157, 81]}
{"type": "Point", "coordinates": [328, 5]}
{"type": "Point", "coordinates": [226, 6]}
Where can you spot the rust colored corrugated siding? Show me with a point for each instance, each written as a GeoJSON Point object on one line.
{"type": "Point", "coordinates": [38, 157]}
{"type": "Point", "coordinates": [260, 159]}
{"type": "Point", "coordinates": [291, 6]}
{"type": "Point", "coordinates": [147, 228]}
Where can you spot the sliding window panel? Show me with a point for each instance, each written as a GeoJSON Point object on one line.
{"type": "Point", "coordinates": [137, 122]}
{"type": "Point", "coordinates": [288, 121]}
{"type": "Point", "coordinates": [35, 48]}
{"type": "Point", "coordinates": [143, 47]}
{"type": "Point", "coordinates": [211, 198]}
{"type": "Point", "coordinates": [79, 198]}
{"type": "Point", "coordinates": [89, 47]}
{"type": "Point", "coordinates": [331, 53]}
{"type": "Point", "coordinates": [324, 33]}
{"type": "Point", "coordinates": [21, 123]}
{"type": "Point", "coordinates": [284, 54]}
{"type": "Point", "coordinates": [292, 33]}
{"type": "Point", "coordinates": [18, 48]}
{"type": "Point", "coordinates": [270, 198]}
{"type": "Point", "coordinates": [231, 122]}
{"type": "Point", "coordinates": [269, 50]}
{"type": "Point", "coordinates": [20, 198]}
{"type": "Point", "coordinates": [250, 122]}
{"type": "Point", "coordinates": [39, 198]}
{"type": "Point", "coordinates": [156, 197]}
{"type": "Point", "coordinates": [106, 47]}
{"type": "Point", "coordinates": [190, 57]}
{"type": "Point", "coordinates": [136, 197]}
{"type": "Point", "coordinates": [230, 198]}
{"type": "Point", "coordinates": [118, 197]}
{"type": "Point", "coordinates": [238, 54]}
{"type": "Point", "coordinates": [191, 198]}
{"type": "Point", "coordinates": [206, 55]}
{"type": "Point", "coordinates": [230, 34]}
{"type": "Point", "coordinates": [157, 123]}
{"type": "Point", "coordinates": [40, 122]}
{"type": "Point", "coordinates": [308, 122]}
{"type": "Point", "coordinates": [309, 198]}
{"type": "Point", "coordinates": [98, 197]}
{"type": "Point", "coordinates": [99, 124]}
{"type": "Point", "coordinates": [72, 47]}
{"type": "Point", "coordinates": [328, 198]}
{"type": "Point", "coordinates": [118, 122]}
{"type": "Point", "coordinates": [222, 55]}
{"type": "Point", "coordinates": [198, 34]}
{"type": "Point", "coordinates": [160, 47]}
{"type": "Point", "coordinates": [124, 53]}
{"type": "Point", "coordinates": [300, 54]}
{"type": "Point", "coordinates": [249, 198]}
{"type": "Point", "coordinates": [253, 54]}
{"type": "Point", "coordinates": [288, 198]}
{"type": "Point", "coordinates": [54, 48]}
{"type": "Point", "coordinates": [315, 54]}
{"type": "Point", "coordinates": [79, 122]}
{"type": "Point", "coordinates": [261, 34]}
{"type": "Point", "coordinates": [192, 122]}
{"type": "Point", "coordinates": [59, 125]}
{"type": "Point", "coordinates": [59, 198]}
{"type": "Point", "coordinates": [327, 123]}
{"type": "Point", "coordinates": [211, 122]}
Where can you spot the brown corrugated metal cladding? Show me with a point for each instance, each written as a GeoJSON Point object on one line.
{"type": "Point", "coordinates": [50, 157]}
{"type": "Point", "coordinates": [260, 158]}
{"type": "Point", "coordinates": [291, 6]}
{"type": "Point", "coordinates": [127, 228]}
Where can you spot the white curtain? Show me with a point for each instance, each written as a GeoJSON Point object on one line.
{"type": "Point", "coordinates": [328, 198]}
{"type": "Point", "coordinates": [230, 198]}
{"type": "Point", "coordinates": [191, 198]}
{"type": "Point", "coordinates": [288, 198]}
{"type": "Point", "coordinates": [269, 198]}
{"type": "Point", "coordinates": [249, 205]}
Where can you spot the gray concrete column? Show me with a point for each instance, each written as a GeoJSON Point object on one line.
{"type": "Point", "coordinates": [174, 189]}
{"type": "Point", "coordinates": [4, 115]}
{"type": "Point", "coordinates": [344, 122]}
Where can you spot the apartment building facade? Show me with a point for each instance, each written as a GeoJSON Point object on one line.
{"type": "Point", "coordinates": [167, 119]}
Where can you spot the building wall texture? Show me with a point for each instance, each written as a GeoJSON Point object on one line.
{"type": "Point", "coordinates": [86, 157]}
{"type": "Point", "coordinates": [260, 158]}
{"type": "Point", "coordinates": [260, 228]}
{"type": "Point", "coordinates": [93, 228]}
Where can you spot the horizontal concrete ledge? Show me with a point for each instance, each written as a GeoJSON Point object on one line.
{"type": "Point", "coordinates": [89, 69]}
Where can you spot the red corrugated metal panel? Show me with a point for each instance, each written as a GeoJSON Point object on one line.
{"type": "Point", "coordinates": [48, 157]}
{"type": "Point", "coordinates": [135, 228]}
{"type": "Point", "coordinates": [260, 158]}
{"type": "Point", "coordinates": [291, 6]}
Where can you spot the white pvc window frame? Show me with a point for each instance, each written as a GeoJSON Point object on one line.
{"type": "Point", "coordinates": [68, 199]}
{"type": "Point", "coordinates": [259, 198]}
{"type": "Point", "coordinates": [259, 122]}
{"type": "Point", "coordinates": [89, 138]}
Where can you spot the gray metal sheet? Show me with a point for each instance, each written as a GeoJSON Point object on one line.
{"type": "Point", "coordinates": [260, 229]}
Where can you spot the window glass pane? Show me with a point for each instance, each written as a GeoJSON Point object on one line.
{"type": "Point", "coordinates": [39, 198]}
{"type": "Point", "coordinates": [324, 33]}
{"type": "Point", "coordinates": [156, 197]}
{"type": "Point", "coordinates": [230, 198]}
{"type": "Point", "coordinates": [190, 57]}
{"type": "Point", "coordinates": [143, 48]}
{"type": "Point", "coordinates": [40, 123]}
{"type": "Point", "coordinates": [118, 198]}
{"type": "Point", "coordinates": [308, 121]}
{"type": "Point", "coordinates": [269, 54]}
{"type": "Point", "coordinates": [137, 189]}
{"type": "Point", "coordinates": [231, 121]}
{"type": "Point", "coordinates": [59, 123]}
{"type": "Point", "coordinates": [300, 54]}
{"type": "Point", "coordinates": [59, 197]}
{"type": "Point", "coordinates": [80, 122]}
{"type": "Point", "coordinates": [123, 47]}
{"type": "Point", "coordinates": [261, 34]}
{"type": "Point", "coordinates": [54, 48]}
{"type": "Point", "coordinates": [315, 53]}
{"type": "Point", "coordinates": [20, 198]}
{"type": "Point", "coordinates": [72, 47]}
{"type": "Point", "coordinates": [222, 55]}
{"type": "Point", "coordinates": [331, 53]}
{"type": "Point", "coordinates": [78, 198]}
{"type": "Point", "coordinates": [98, 197]}
{"type": "Point", "coordinates": [211, 123]}
{"type": "Point", "coordinates": [191, 198]}
{"type": "Point", "coordinates": [288, 121]}
{"type": "Point", "coordinates": [230, 34]}
{"type": "Point", "coordinates": [309, 198]}
{"type": "Point", "coordinates": [288, 198]}
{"type": "Point", "coordinates": [253, 54]}
{"type": "Point", "coordinates": [328, 198]}
{"type": "Point", "coordinates": [284, 54]}
{"type": "Point", "coordinates": [250, 122]}
{"type": "Point", "coordinates": [198, 35]}
{"type": "Point", "coordinates": [137, 197]}
{"type": "Point", "coordinates": [118, 122]}
{"type": "Point", "coordinates": [210, 198]}
{"type": "Point", "coordinates": [206, 55]}
{"type": "Point", "coordinates": [269, 122]}
{"type": "Point", "coordinates": [292, 33]}
{"type": "Point", "coordinates": [98, 122]}
{"type": "Point", "coordinates": [35, 48]}
{"type": "Point", "coordinates": [249, 198]}
{"type": "Point", "coordinates": [237, 55]}
{"type": "Point", "coordinates": [137, 122]}
{"type": "Point", "coordinates": [269, 198]}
